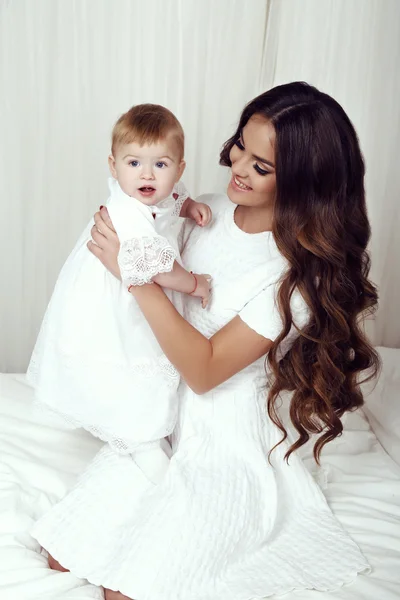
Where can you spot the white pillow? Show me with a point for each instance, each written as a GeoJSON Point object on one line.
{"type": "Point", "coordinates": [382, 402]}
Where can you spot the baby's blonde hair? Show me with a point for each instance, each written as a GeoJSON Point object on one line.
{"type": "Point", "coordinates": [147, 124]}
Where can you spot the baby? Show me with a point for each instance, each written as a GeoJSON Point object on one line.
{"type": "Point", "coordinates": [96, 361]}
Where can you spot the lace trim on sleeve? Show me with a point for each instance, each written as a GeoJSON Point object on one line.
{"type": "Point", "coordinates": [182, 194]}
{"type": "Point", "coordinates": [141, 259]}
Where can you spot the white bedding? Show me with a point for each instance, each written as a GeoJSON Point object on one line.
{"type": "Point", "coordinates": [38, 464]}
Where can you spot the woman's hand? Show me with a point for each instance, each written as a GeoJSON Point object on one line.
{"type": "Point", "coordinates": [105, 243]}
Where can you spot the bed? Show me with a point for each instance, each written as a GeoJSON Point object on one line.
{"type": "Point", "coordinates": [360, 476]}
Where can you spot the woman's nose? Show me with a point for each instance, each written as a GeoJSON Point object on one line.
{"type": "Point", "coordinates": [240, 168]}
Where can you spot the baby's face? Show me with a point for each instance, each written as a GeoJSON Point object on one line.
{"type": "Point", "coordinates": [148, 172]}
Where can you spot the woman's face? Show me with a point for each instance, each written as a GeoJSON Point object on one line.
{"type": "Point", "coordinates": [253, 180]}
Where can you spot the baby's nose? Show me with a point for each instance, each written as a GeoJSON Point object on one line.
{"type": "Point", "coordinates": [147, 174]}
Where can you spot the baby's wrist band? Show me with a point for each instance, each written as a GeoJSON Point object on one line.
{"type": "Point", "coordinates": [195, 284]}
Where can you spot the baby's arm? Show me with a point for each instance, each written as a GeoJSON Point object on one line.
{"type": "Point", "coordinates": [197, 211]}
{"type": "Point", "coordinates": [181, 280]}
{"type": "Point", "coordinates": [188, 208]}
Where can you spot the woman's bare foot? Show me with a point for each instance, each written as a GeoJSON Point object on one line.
{"type": "Point", "coordinates": [111, 595]}
{"type": "Point", "coordinates": [53, 564]}
{"type": "Point", "coordinates": [108, 594]}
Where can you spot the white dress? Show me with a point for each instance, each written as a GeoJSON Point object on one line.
{"type": "Point", "coordinates": [96, 361]}
{"type": "Point", "coordinates": [223, 523]}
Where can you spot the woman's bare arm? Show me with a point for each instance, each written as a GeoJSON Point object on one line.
{"type": "Point", "coordinates": [203, 363]}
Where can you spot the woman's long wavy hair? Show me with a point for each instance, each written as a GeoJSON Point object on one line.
{"type": "Point", "coordinates": [321, 227]}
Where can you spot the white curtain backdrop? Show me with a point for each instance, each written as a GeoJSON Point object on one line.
{"type": "Point", "coordinates": [351, 50]}
{"type": "Point", "coordinates": [69, 69]}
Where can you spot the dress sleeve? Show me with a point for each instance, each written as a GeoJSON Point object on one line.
{"type": "Point", "coordinates": [143, 253]}
{"type": "Point", "coordinates": [180, 194]}
{"type": "Point", "coordinates": [142, 258]}
{"type": "Point", "coordinates": [262, 314]}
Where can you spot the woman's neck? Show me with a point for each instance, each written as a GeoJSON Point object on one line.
{"type": "Point", "coordinates": [253, 219]}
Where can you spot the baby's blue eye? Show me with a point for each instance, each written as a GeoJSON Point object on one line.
{"type": "Point", "coordinates": [160, 164]}
{"type": "Point", "coordinates": [134, 163]}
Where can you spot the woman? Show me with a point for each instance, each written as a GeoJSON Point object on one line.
{"type": "Point", "coordinates": [287, 253]}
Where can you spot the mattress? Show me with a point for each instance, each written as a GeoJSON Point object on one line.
{"type": "Point", "coordinates": [39, 463]}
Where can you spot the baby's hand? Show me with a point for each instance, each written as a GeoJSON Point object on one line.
{"type": "Point", "coordinates": [199, 212]}
{"type": "Point", "coordinates": [203, 288]}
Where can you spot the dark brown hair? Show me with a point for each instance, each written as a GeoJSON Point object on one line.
{"type": "Point", "coordinates": [321, 227]}
{"type": "Point", "coordinates": [147, 124]}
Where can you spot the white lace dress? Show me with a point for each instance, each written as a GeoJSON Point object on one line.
{"type": "Point", "coordinates": [223, 523]}
{"type": "Point", "coordinates": [96, 361]}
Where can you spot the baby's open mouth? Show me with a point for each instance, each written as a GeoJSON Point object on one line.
{"type": "Point", "coordinates": [147, 190]}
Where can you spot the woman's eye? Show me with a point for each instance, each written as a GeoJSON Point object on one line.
{"type": "Point", "coordinates": [160, 164]}
{"type": "Point", "coordinates": [239, 144]}
{"type": "Point", "coordinates": [134, 163]}
{"type": "Point", "coordinates": [260, 170]}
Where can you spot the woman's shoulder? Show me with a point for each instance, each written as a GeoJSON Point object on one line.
{"type": "Point", "coordinates": [218, 204]}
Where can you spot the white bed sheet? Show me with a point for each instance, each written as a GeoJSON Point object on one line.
{"type": "Point", "coordinates": [38, 464]}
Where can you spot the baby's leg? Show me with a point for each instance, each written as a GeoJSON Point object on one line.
{"type": "Point", "coordinates": [55, 565]}
{"type": "Point", "coordinates": [153, 461]}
